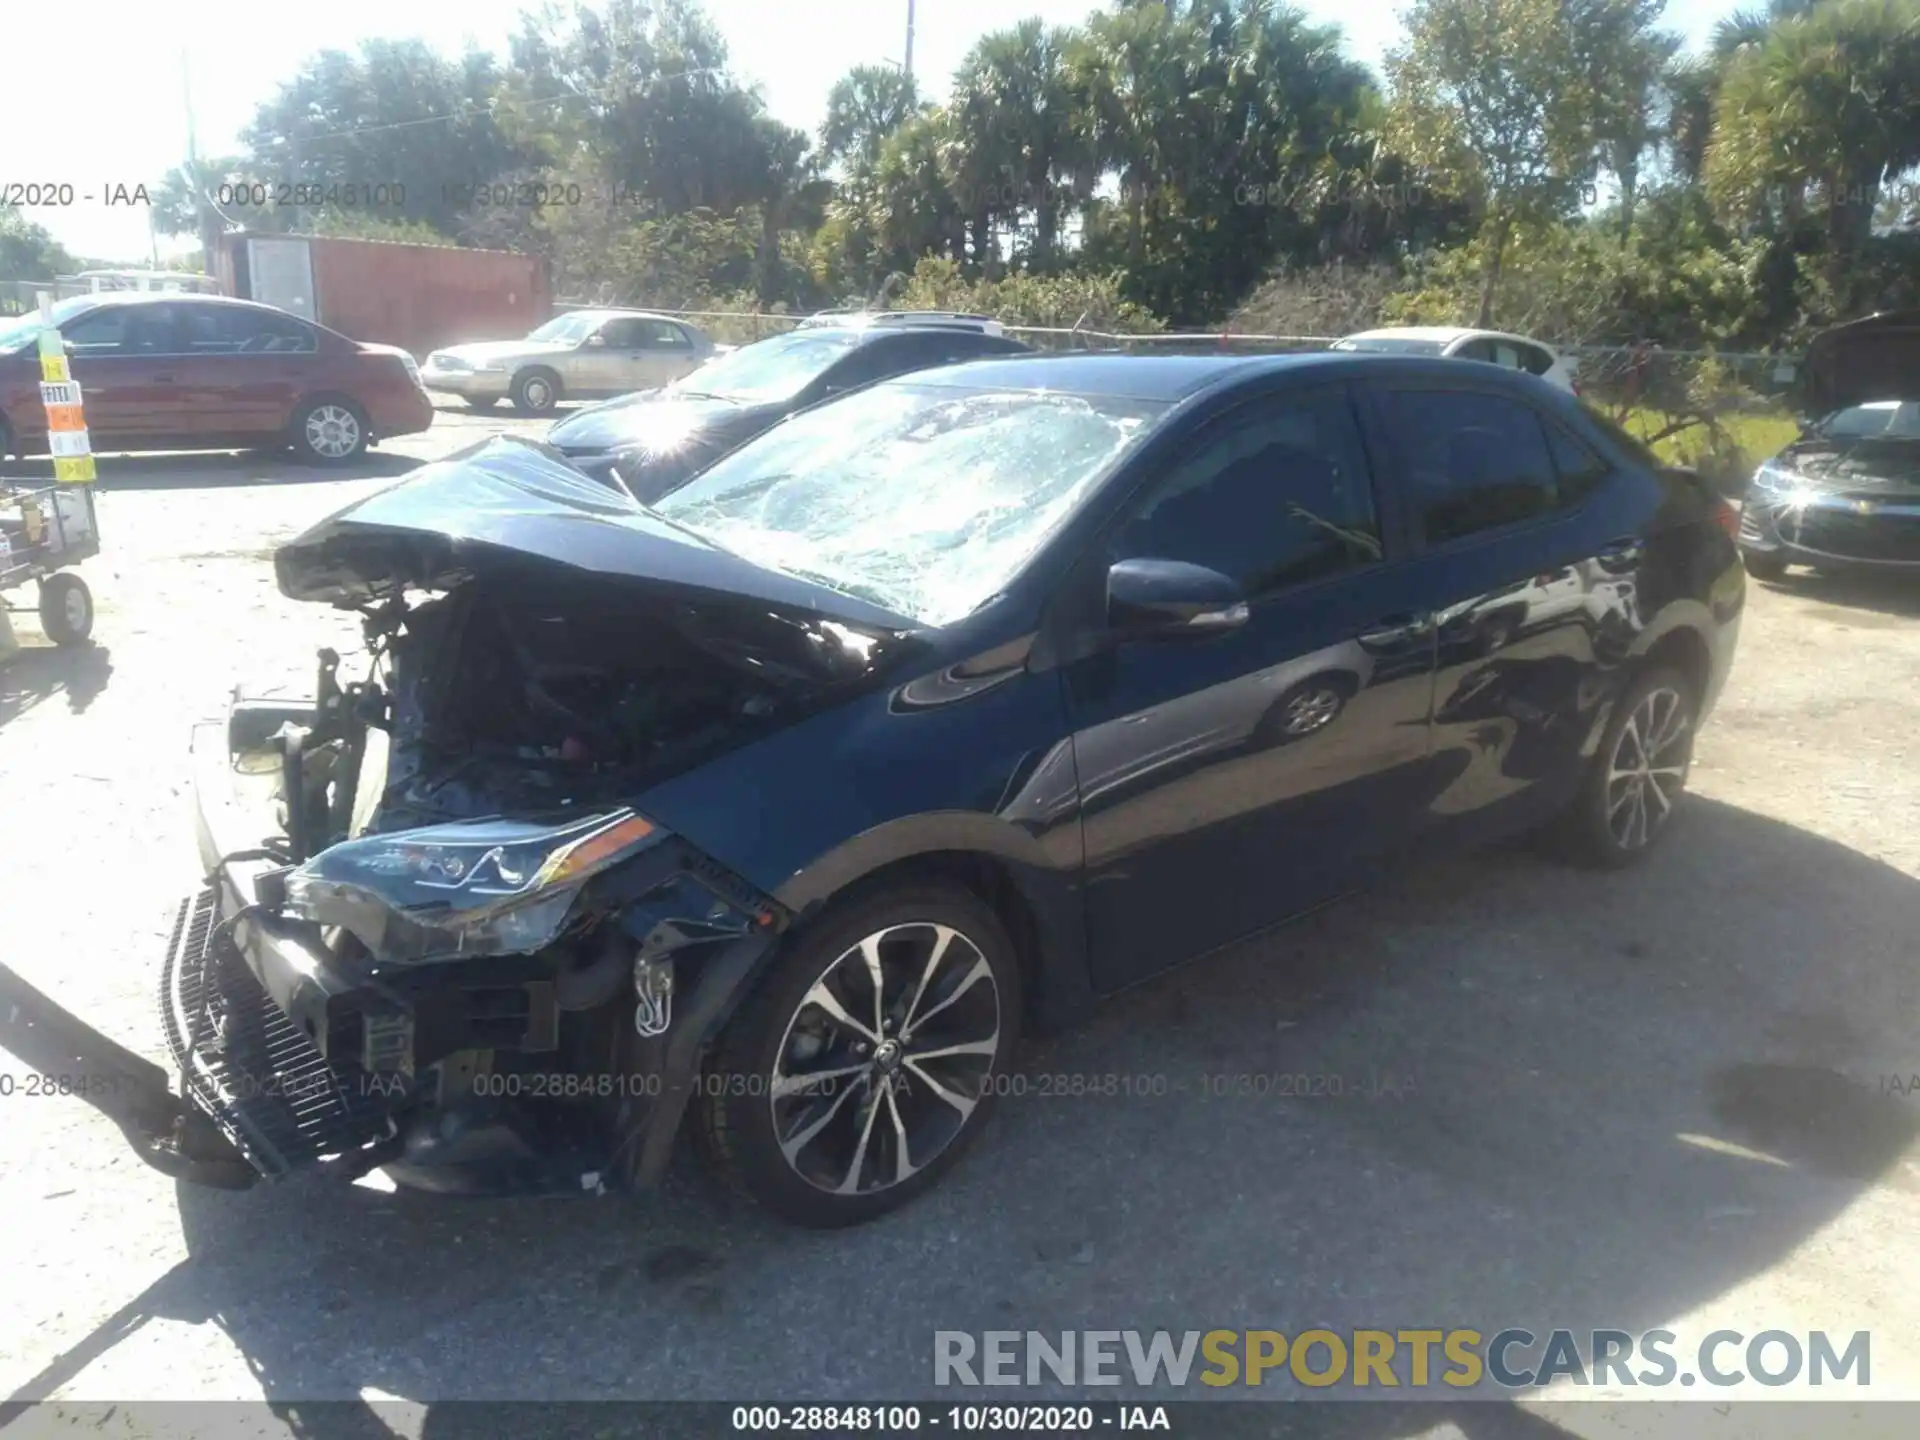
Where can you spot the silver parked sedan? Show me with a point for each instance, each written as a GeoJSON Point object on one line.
{"type": "Point", "coordinates": [584, 354]}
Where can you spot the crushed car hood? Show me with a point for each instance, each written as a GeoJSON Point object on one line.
{"type": "Point", "coordinates": [1877, 358]}
{"type": "Point", "coordinates": [509, 500]}
{"type": "Point", "coordinates": [1867, 466]}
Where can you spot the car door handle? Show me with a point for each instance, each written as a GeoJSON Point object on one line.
{"type": "Point", "coordinates": [163, 379]}
{"type": "Point", "coordinates": [1397, 629]}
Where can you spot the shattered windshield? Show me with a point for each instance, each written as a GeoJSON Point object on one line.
{"type": "Point", "coordinates": [925, 499]}
{"type": "Point", "coordinates": [771, 370]}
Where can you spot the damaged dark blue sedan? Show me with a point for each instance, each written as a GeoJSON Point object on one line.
{"type": "Point", "coordinates": [780, 809]}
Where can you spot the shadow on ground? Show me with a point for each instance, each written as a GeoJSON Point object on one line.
{"type": "Point", "coordinates": [217, 468]}
{"type": "Point", "coordinates": [1629, 1094]}
{"type": "Point", "coordinates": [37, 673]}
{"type": "Point", "coordinates": [1885, 594]}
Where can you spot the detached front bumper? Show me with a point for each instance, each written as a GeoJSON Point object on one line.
{"type": "Point", "coordinates": [1833, 532]}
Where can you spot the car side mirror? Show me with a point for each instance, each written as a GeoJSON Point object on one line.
{"type": "Point", "coordinates": [596, 342]}
{"type": "Point", "coordinates": [1171, 598]}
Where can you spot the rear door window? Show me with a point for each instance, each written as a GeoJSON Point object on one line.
{"type": "Point", "coordinates": [233, 330]}
{"type": "Point", "coordinates": [1468, 461]}
{"type": "Point", "coordinates": [1534, 360]}
{"type": "Point", "coordinates": [662, 335]}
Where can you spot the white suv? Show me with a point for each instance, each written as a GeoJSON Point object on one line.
{"type": "Point", "coordinates": [1495, 347]}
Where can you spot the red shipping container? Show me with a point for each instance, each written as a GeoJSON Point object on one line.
{"type": "Point", "coordinates": [419, 297]}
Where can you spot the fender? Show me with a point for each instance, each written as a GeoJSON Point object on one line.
{"type": "Point", "coordinates": [1051, 895]}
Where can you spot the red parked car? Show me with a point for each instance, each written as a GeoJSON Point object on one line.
{"type": "Point", "coordinates": [173, 372]}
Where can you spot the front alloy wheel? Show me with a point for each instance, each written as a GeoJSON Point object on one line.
{"type": "Point", "coordinates": [866, 1063]}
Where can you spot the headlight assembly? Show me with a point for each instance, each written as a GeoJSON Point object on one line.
{"type": "Point", "coordinates": [475, 887]}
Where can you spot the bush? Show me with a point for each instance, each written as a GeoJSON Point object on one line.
{"type": "Point", "coordinates": [1328, 300]}
{"type": "Point", "coordinates": [1092, 300]}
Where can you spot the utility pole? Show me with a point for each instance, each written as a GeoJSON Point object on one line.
{"type": "Point", "coordinates": [186, 97]}
{"type": "Point", "coordinates": [908, 67]}
{"type": "Point", "coordinates": [202, 203]}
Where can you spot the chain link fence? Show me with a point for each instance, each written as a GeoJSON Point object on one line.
{"type": "Point", "coordinates": [1719, 411]}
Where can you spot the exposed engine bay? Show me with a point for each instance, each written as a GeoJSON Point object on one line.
{"type": "Point", "coordinates": [533, 692]}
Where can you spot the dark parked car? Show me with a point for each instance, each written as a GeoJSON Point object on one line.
{"type": "Point", "coordinates": [658, 439]}
{"type": "Point", "coordinates": [933, 714]}
{"type": "Point", "coordinates": [199, 372]}
{"type": "Point", "coordinates": [1846, 494]}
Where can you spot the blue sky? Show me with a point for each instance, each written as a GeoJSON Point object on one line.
{"type": "Point", "coordinates": [110, 109]}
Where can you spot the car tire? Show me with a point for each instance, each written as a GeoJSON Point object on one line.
{"type": "Point", "coordinates": [799, 1152]}
{"type": "Point", "coordinates": [1764, 565]}
{"type": "Point", "coordinates": [536, 391]}
{"type": "Point", "coordinates": [1628, 801]}
{"type": "Point", "coordinates": [329, 430]}
{"type": "Point", "coordinates": [66, 609]}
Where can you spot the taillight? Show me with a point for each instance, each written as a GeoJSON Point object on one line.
{"type": "Point", "coordinates": [1727, 514]}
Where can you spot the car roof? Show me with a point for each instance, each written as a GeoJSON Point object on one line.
{"type": "Point", "coordinates": [1173, 378]}
{"type": "Point", "coordinates": [1134, 377]}
{"type": "Point", "coordinates": [881, 333]}
{"type": "Point", "coordinates": [609, 312]}
{"type": "Point", "coordinates": [159, 297]}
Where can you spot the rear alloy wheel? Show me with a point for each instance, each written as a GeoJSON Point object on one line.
{"type": "Point", "coordinates": [331, 432]}
{"type": "Point", "coordinates": [862, 1068]}
{"type": "Point", "coordinates": [1640, 775]}
{"type": "Point", "coordinates": [536, 392]}
{"type": "Point", "coordinates": [66, 609]}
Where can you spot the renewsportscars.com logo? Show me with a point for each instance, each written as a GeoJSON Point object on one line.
{"type": "Point", "coordinates": [1460, 1359]}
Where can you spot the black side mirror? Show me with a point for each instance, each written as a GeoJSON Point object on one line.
{"type": "Point", "coordinates": [1171, 598]}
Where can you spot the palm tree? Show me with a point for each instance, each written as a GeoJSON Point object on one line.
{"type": "Point", "coordinates": [865, 106]}
{"type": "Point", "coordinates": [1020, 152]}
{"type": "Point", "coordinates": [1828, 104]}
{"type": "Point", "coordinates": [1128, 72]}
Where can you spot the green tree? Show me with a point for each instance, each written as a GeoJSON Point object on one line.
{"type": "Point", "coordinates": [864, 108]}
{"type": "Point", "coordinates": [1822, 109]}
{"type": "Point", "coordinates": [28, 251]}
{"type": "Point", "coordinates": [413, 127]}
{"type": "Point", "coordinates": [1501, 95]}
{"type": "Point", "coordinates": [1021, 158]}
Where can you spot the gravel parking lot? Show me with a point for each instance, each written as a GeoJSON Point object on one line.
{"type": "Point", "coordinates": [1658, 1097]}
